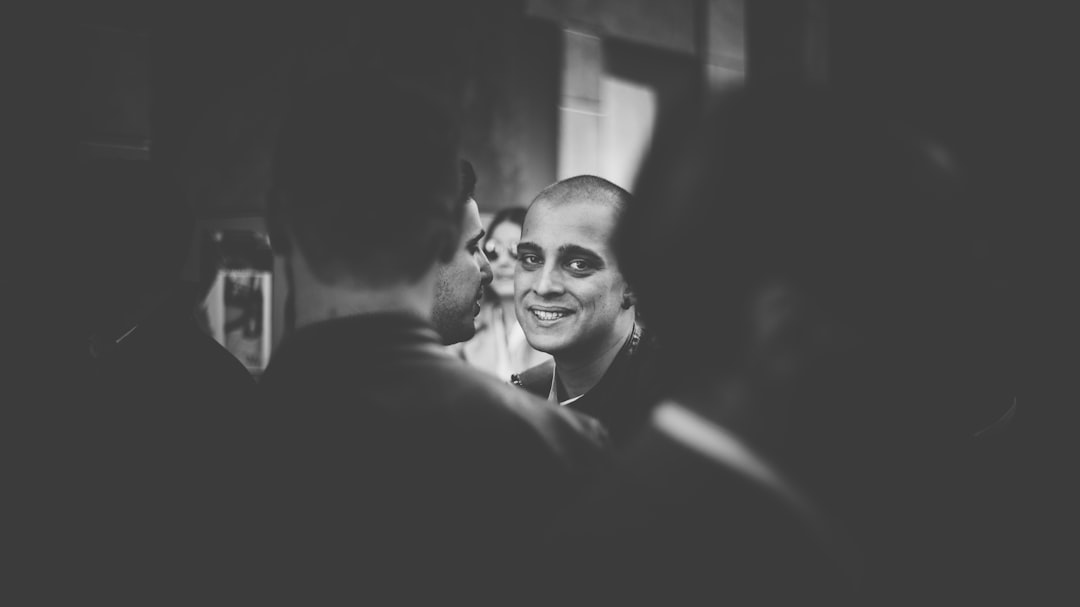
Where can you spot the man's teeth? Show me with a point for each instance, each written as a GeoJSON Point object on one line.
{"type": "Point", "coordinates": [545, 315]}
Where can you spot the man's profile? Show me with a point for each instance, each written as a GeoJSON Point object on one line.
{"type": "Point", "coordinates": [460, 282]}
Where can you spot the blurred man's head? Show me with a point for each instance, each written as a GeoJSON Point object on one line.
{"type": "Point", "coordinates": [460, 281]}
{"type": "Point", "coordinates": [570, 295]}
{"type": "Point", "coordinates": [787, 229]}
{"type": "Point", "coordinates": [366, 181]}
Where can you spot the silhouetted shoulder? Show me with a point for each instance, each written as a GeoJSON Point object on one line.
{"type": "Point", "coordinates": [574, 436]}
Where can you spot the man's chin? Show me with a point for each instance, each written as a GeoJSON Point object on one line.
{"type": "Point", "coordinates": [546, 343]}
{"type": "Point", "coordinates": [464, 332]}
{"type": "Point", "coordinates": [467, 333]}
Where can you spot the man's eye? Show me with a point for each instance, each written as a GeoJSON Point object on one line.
{"type": "Point", "coordinates": [579, 265]}
{"type": "Point", "coordinates": [529, 259]}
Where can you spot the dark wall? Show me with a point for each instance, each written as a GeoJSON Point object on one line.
{"type": "Point", "coordinates": [222, 86]}
{"type": "Point", "coordinates": [114, 90]}
{"type": "Point", "coordinates": [219, 88]}
{"type": "Point", "coordinates": [511, 113]}
{"type": "Point", "coordinates": [675, 77]}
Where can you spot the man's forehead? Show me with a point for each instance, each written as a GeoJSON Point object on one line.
{"type": "Point", "coordinates": [577, 222]}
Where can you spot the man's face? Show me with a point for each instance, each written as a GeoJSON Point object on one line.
{"type": "Point", "coordinates": [568, 290]}
{"type": "Point", "coordinates": [460, 283]}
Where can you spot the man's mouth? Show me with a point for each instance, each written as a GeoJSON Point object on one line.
{"type": "Point", "coordinates": [549, 315]}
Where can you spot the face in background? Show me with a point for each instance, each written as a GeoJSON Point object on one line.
{"type": "Point", "coordinates": [460, 283]}
{"type": "Point", "coordinates": [568, 289]}
{"type": "Point", "coordinates": [501, 251]}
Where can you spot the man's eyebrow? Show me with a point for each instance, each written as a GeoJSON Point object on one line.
{"type": "Point", "coordinates": [475, 240]}
{"type": "Point", "coordinates": [532, 246]}
{"type": "Point", "coordinates": [574, 250]}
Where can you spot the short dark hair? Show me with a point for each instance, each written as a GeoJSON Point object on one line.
{"type": "Point", "coordinates": [367, 178]}
{"type": "Point", "coordinates": [468, 181]}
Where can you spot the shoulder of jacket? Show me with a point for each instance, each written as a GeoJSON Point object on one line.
{"type": "Point", "coordinates": [536, 379]}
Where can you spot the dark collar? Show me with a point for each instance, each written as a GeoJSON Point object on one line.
{"type": "Point", "coordinates": [539, 379]}
{"type": "Point", "coordinates": [629, 348]}
{"type": "Point", "coordinates": [367, 332]}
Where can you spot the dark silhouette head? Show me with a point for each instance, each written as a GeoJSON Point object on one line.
{"type": "Point", "coordinates": [794, 188]}
{"type": "Point", "coordinates": [792, 236]}
{"type": "Point", "coordinates": [366, 179]}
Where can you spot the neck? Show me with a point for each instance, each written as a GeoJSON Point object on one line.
{"type": "Point", "coordinates": [578, 375]}
{"type": "Point", "coordinates": [316, 301]}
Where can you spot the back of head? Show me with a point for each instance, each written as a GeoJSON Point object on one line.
{"type": "Point", "coordinates": [873, 348]}
{"type": "Point", "coordinates": [366, 178]}
{"type": "Point", "coordinates": [794, 186]}
{"type": "Point", "coordinates": [885, 323]}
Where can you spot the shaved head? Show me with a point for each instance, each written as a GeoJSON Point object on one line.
{"type": "Point", "coordinates": [570, 297]}
{"type": "Point", "coordinates": [585, 188]}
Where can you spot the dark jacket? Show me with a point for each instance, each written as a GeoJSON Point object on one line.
{"type": "Point", "coordinates": [688, 514]}
{"type": "Point", "coordinates": [625, 395]}
{"type": "Point", "coordinates": [154, 446]}
{"type": "Point", "coordinates": [395, 472]}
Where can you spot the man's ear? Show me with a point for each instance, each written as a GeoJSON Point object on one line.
{"type": "Point", "coordinates": [628, 299]}
{"type": "Point", "coordinates": [275, 223]}
{"type": "Point", "coordinates": [447, 237]}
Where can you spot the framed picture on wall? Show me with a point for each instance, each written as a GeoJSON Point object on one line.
{"type": "Point", "coordinates": [243, 303]}
{"type": "Point", "coordinates": [238, 314]}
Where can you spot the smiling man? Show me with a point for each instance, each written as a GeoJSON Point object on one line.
{"type": "Point", "coordinates": [573, 303]}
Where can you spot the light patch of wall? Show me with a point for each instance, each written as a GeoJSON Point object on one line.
{"type": "Point", "coordinates": [629, 116]}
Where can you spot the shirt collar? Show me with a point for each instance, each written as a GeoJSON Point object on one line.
{"type": "Point", "coordinates": [628, 349]}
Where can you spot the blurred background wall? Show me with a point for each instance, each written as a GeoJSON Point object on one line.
{"type": "Point", "coordinates": [545, 89]}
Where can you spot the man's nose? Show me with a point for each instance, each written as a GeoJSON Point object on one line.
{"type": "Point", "coordinates": [486, 275]}
{"type": "Point", "coordinates": [548, 282]}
